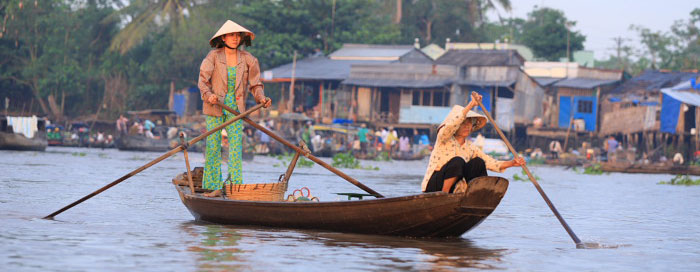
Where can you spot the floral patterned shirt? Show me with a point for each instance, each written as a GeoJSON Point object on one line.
{"type": "Point", "coordinates": [447, 147]}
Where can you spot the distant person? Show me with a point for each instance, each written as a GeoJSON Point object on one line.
{"type": "Point", "coordinates": [224, 76]}
{"type": "Point", "coordinates": [678, 159]}
{"type": "Point", "coordinates": [134, 129]}
{"type": "Point", "coordinates": [121, 124]}
{"type": "Point", "coordinates": [554, 149]}
{"type": "Point", "coordinates": [454, 157]}
{"type": "Point", "coordinates": [362, 137]}
{"type": "Point", "coordinates": [148, 125]}
{"type": "Point", "coordinates": [610, 147]}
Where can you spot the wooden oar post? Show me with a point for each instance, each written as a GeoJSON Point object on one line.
{"type": "Point", "coordinates": [187, 161]}
{"type": "Point", "coordinates": [304, 153]}
{"type": "Point", "coordinates": [157, 160]}
{"type": "Point", "coordinates": [532, 178]}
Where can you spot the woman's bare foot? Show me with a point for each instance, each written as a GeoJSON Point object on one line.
{"type": "Point", "coordinates": [216, 193]}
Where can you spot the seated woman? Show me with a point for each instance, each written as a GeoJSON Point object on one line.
{"type": "Point", "coordinates": [454, 157]}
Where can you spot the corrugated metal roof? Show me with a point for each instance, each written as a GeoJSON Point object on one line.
{"type": "Point", "coordinates": [487, 83]}
{"type": "Point", "coordinates": [546, 81]}
{"type": "Point", "coordinates": [399, 83]}
{"type": "Point", "coordinates": [584, 83]}
{"type": "Point", "coordinates": [349, 51]}
{"type": "Point", "coordinates": [653, 80]}
{"type": "Point", "coordinates": [320, 68]}
{"type": "Point", "coordinates": [481, 58]}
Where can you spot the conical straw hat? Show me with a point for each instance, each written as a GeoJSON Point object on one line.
{"type": "Point", "coordinates": [231, 27]}
{"type": "Point", "coordinates": [457, 110]}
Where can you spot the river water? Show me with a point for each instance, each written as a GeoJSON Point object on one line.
{"type": "Point", "coordinates": [141, 224]}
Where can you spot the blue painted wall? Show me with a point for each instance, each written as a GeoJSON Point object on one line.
{"type": "Point", "coordinates": [567, 106]}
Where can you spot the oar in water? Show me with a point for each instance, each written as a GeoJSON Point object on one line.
{"type": "Point", "coordinates": [534, 182]}
{"type": "Point", "coordinates": [162, 157]}
{"type": "Point", "coordinates": [305, 153]}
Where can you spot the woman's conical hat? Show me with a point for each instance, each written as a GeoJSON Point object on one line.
{"type": "Point", "coordinates": [231, 27]}
{"type": "Point", "coordinates": [457, 110]}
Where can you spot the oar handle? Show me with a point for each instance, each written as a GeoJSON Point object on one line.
{"type": "Point", "coordinates": [532, 178]}
{"type": "Point", "coordinates": [305, 153]}
{"type": "Point", "coordinates": [157, 160]}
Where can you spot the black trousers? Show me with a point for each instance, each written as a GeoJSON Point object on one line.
{"type": "Point", "coordinates": [456, 167]}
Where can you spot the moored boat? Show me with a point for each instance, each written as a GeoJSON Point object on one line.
{"type": "Point", "coordinates": [651, 168]}
{"type": "Point", "coordinates": [23, 133]}
{"type": "Point", "coordinates": [435, 214]}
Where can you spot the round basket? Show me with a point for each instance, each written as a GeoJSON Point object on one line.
{"type": "Point", "coordinates": [256, 191]}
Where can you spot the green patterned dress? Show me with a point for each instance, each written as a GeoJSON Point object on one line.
{"type": "Point", "coordinates": [212, 166]}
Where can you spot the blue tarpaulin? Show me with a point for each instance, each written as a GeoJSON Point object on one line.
{"type": "Point", "coordinates": [683, 93]}
{"type": "Point", "coordinates": [670, 108]}
{"type": "Point", "coordinates": [179, 104]}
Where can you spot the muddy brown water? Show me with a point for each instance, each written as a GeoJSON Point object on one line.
{"type": "Point", "coordinates": [141, 224]}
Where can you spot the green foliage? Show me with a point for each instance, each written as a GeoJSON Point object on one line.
{"type": "Point", "coordinates": [545, 32]}
{"type": "Point", "coordinates": [286, 158]}
{"type": "Point", "coordinates": [681, 180]}
{"type": "Point", "coordinates": [593, 169]}
{"type": "Point", "coordinates": [524, 176]}
{"type": "Point", "coordinates": [382, 156]}
{"type": "Point", "coordinates": [347, 160]}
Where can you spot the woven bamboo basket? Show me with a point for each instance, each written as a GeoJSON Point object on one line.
{"type": "Point", "coordinates": [256, 191]}
{"type": "Point", "coordinates": [253, 192]}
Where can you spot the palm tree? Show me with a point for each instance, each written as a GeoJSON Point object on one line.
{"type": "Point", "coordinates": [479, 7]}
{"type": "Point", "coordinates": [146, 15]}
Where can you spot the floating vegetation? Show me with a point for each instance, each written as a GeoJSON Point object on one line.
{"type": "Point", "coordinates": [286, 158]}
{"type": "Point", "coordinates": [79, 154]}
{"type": "Point", "coordinates": [536, 161]}
{"type": "Point", "coordinates": [347, 160]}
{"type": "Point", "coordinates": [382, 156]}
{"type": "Point", "coordinates": [593, 169]}
{"type": "Point", "coordinates": [681, 180]}
{"type": "Point", "coordinates": [524, 176]}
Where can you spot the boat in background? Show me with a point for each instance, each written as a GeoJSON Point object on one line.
{"type": "Point", "coordinates": [23, 133]}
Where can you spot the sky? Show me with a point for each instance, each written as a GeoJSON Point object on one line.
{"type": "Point", "coordinates": [602, 20]}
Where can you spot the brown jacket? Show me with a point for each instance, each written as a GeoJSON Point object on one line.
{"type": "Point", "coordinates": [213, 79]}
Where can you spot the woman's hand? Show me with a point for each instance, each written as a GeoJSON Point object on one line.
{"type": "Point", "coordinates": [476, 99]}
{"type": "Point", "coordinates": [212, 99]}
{"type": "Point", "coordinates": [520, 161]}
{"type": "Point", "coordinates": [266, 101]}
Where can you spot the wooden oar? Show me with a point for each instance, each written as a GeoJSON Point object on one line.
{"type": "Point", "coordinates": [162, 157]}
{"type": "Point", "coordinates": [305, 153]}
{"type": "Point", "coordinates": [537, 185]}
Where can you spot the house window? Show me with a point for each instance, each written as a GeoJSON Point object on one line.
{"type": "Point", "coordinates": [438, 98]}
{"type": "Point", "coordinates": [585, 106]}
{"type": "Point", "coordinates": [416, 98]}
{"type": "Point", "coordinates": [427, 95]}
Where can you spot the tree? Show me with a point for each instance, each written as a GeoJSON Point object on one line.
{"type": "Point", "coordinates": [545, 31]}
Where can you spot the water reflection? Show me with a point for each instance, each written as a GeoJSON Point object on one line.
{"type": "Point", "coordinates": [441, 254]}
{"type": "Point", "coordinates": [217, 247]}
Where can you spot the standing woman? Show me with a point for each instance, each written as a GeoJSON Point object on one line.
{"type": "Point", "coordinates": [454, 157]}
{"type": "Point", "coordinates": [225, 74]}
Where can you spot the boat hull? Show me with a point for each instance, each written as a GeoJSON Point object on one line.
{"type": "Point", "coordinates": [15, 141]}
{"type": "Point", "coordinates": [435, 214]}
{"type": "Point", "coordinates": [142, 143]}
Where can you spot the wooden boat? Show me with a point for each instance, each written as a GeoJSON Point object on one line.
{"type": "Point", "coordinates": [650, 168]}
{"type": "Point", "coordinates": [407, 157]}
{"type": "Point", "coordinates": [143, 143]}
{"type": "Point", "coordinates": [9, 140]}
{"type": "Point", "coordinates": [436, 214]}
{"type": "Point", "coordinates": [17, 141]}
